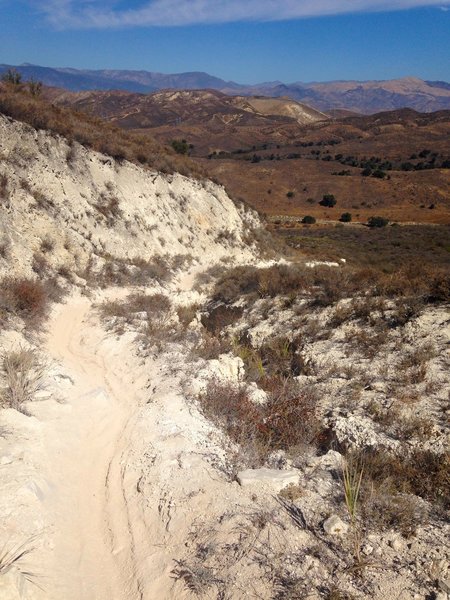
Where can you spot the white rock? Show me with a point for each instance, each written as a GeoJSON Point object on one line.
{"type": "Point", "coordinates": [256, 395]}
{"type": "Point", "coordinates": [273, 477]}
{"type": "Point", "coordinates": [360, 432]}
{"type": "Point", "coordinates": [396, 544]}
{"type": "Point", "coordinates": [335, 526]}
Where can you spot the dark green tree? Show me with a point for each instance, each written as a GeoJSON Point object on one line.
{"type": "Point", "coordinates": [328, 200]}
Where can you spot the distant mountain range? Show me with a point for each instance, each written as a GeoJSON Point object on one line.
{"type": "Point", "coordinates": [360, 96]}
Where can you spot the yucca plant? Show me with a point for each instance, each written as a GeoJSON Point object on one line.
{"type": "Point", "coordinates": [352, 476]}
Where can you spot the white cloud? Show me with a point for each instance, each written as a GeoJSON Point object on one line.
{"type": "Point", "coordinates": [163, 13]}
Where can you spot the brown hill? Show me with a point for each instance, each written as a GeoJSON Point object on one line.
{"type": "Point", "coordinates": [187, 107]}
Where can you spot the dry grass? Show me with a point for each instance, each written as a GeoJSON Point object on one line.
{"type": "Point", "coordinates": [22, 372]}
{"type": "Point", "coordinates": [109, 207]}
{"type": "Point", "coordinates": [326, 285]}
{"type": "Point", "coordinates": [156, 307]}
{"type": "Point", "coordinates": [128, 273]}
{"type": "Point", "coordinates": [94, 133]}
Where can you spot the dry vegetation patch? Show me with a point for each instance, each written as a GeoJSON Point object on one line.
{"type": "Point", "coordinates": [287, 421]}
{"type": "Point", "coordinates": [94, 133]}
{"type": "Point", "coordinates": [22, 372]}
{"type": "Point", "coordinates": [28, 299]}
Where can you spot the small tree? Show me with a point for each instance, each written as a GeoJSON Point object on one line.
{"type": "Point", "coordinates": [35, 87]}
{"type": "Point", "coordinates": [328, 200]}
{"type": "Point", "coordinates": [12, 77]}
{"type": "Point", "coordinates": [377, 221]}
{"type": "Point", "coordinates": [181, 146]}
{"type": "Point", "coordinates": [308, 220]}
{"type": "Point", "coordinates": [290, 194]}
{"type": "Point", "coordinates": [346, 217]}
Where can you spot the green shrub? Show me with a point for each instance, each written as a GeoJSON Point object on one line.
{"type": "Point", "coordinates": [345, 217]}
{"type": "Point", "coordinates": [308, 220]}
{"type": "Point", "coordinates": [377, 222]}
{"type": "Point", "coordinates": [180, 146]}
{"type": "Point", "coordinates": [328, 200]}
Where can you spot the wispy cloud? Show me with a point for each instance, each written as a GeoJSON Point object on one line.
{"type": "Point", "coordinates": [166, 13]}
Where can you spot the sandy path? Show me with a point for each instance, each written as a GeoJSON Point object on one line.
{"type": "Point", "coordinates": [93, 547]}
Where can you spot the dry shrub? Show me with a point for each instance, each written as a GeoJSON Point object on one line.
{"type": "Point", "coordinates": [124, 273]}
{"type": "Point", "coordinates": [287, 421]}
{"type": "Point", "coordinates": [211, 347]}
{"type": "Point", "coordinates": [324, 286]}
{"type": "Point", "coordinates": [440, 287]}
{"type": "Point", "coordinates": [219, 317]}
{"type": "Point", "coordinates": [368, 310]}
{"type": "Point", "coordinates": [290, 419]}
{"type": "Point", "coordinates": [157, 308]}
{"type": "Point", "coordinates": [227, 404]}
{"type": "Point", "coordinates": [42, 201]}
{"type": "Point", "coordinates": [40, 265]}
{"type": "Point", "coordinates": [421, 472]}
{"type": "Point", "coordinates": [383, 511]}
{"type": "Point", "coordinates": [109, 208]}
{"type": "Point", "coordinates": [26, 298]}
{"type": "Point", "coordinates": [4, 193]}
{"type": "Point", "coordinates": [5, 249]}
{"type": "Point", "coordinates": [418, 356]}
{"type": "Point", "coordinates": [47, 245]}
{"type": "Point", "coordinates": [209, 275]}
{"type": "Point", "coordinates": [418, 428]}
{"type": "Point", "coordinates": [235, 283]}
{"type": "Point", "coordinates": [368, 342]}
{"type": "Point", "coordinates": [404, 311]}
{"type": "Point", "coordinates": [22, 373]}
{"type": "Point", "coordinates": [186, 314]}
{"type": "Point", "coordinates": [283, 357]}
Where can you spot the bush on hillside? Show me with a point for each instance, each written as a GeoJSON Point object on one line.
{"type": "Point", "coordinates": [377, 222]}
{"type": "Point", "coordinates": [345, 217]}
{"type": "Point", "coordinates": [328, 200]}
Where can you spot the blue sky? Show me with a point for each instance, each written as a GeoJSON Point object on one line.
{"type": "Point", "coordinates": [247, 41]}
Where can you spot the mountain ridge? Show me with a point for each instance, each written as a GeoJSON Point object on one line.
{"type": "Point", "coordinates": [366, 97]}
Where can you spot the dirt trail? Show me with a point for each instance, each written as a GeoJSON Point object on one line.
{"type": "Point", "coordinates": [93, 546]}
